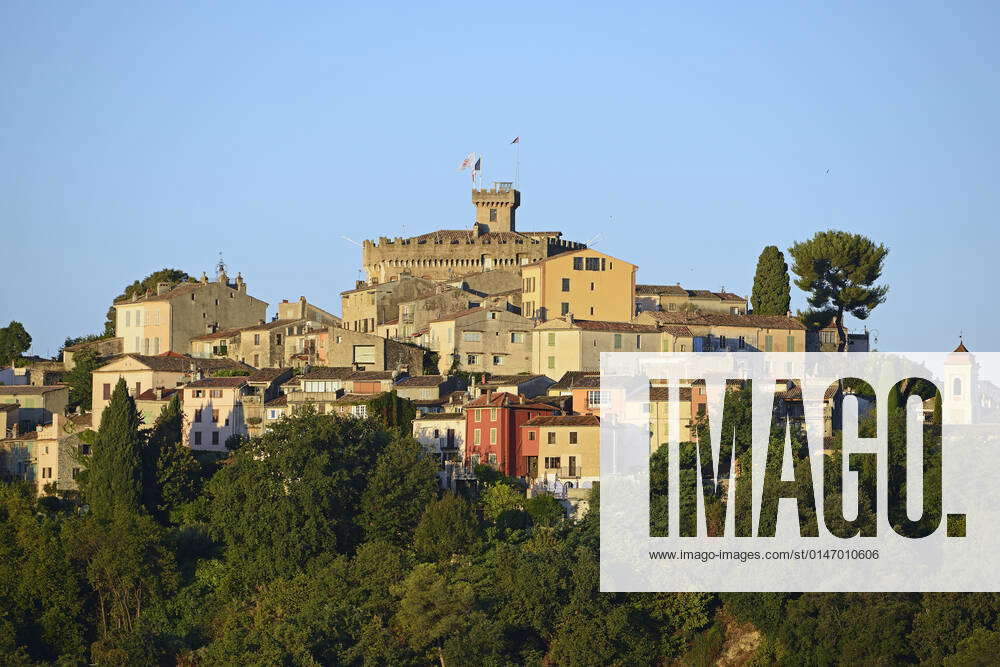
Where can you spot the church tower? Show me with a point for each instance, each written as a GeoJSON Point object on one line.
{"type": "Point", "coordinates": [495, 207]}
{"type": "Point", "coordinates": [960, 386]}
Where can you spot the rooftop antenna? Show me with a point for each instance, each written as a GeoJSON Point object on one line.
{"type": "Point", "coordinates": [221, 266]}
{"type": "Point", "coordinates": [350, 240]}
{"type": "Point", "coordinates": [593, 240]}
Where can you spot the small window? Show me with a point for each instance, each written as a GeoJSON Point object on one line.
{"type": "Point", "coordinates": [552, 362]}
{"type": "Point", "coordinates": [493, 414]}
{"type": "Point", "coordinates": [197, 415]}
{"type": "Point", "coordinates": [215, 437]}
{"type": "Point", "coordinates": [578, 263]}
{"type": "Point", "coordinates": [215, 393]}
{"type": "Point", "coordinates": [551, 437]}
{"type": "Point", "coordinates": [517, 337]}
{"type": "Point", "coordinates": [531, 435]}
{"type": "Point", "coordinates": [493, 215]}
{"type": "Point", "coordinates": [472, 359]}
{"type": "Point", "coordinates": [493, 436]}
{"type": "Point", "coordinates": [493, 459]}
{"type": "Point", "coordinates": [565, 284]}
{"type": "Point", "coordinates": [563, 308]}
{"type": "Point", "coordinates": [215, 416]}
{"type": "Point", "coordinates": [552, 340]}
{"type": "Point", "coordinates": [197, 437]}
{"type": "Point", "coordinates": [497, 360]}
{"type": "Point", "coordinates": [618, 341]}
{"type": "Point", "coordinates": [477, 437]}
{"type": "Point", "coordinates": [572, 437]}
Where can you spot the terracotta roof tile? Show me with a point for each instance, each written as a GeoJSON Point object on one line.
{"type": "Point", "coordinates": [564, 420]}
{"type": "Point", "coordinates": [219, 382]}
{"type": "Point", "coordinates": [423, 381]}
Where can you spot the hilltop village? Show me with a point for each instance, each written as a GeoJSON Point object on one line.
{"type": "Point", "coordinates": [488, 338]}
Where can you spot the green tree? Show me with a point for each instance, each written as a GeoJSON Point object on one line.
{"type": "Point", "coordinates": [447, 527]}
{"type": "Point", "coordinates": [80, 379]}
{"type": "Point", "coordinates": [977, 650]}
{"type": "Point", "coordinates": [402, 484]}
{"type": "Point", "coordinates": [292, 494]}
{"type": "Point", "coordinates": [838, 270]}
{"type": "Point", "coordinates": [434, 608]}
{"type": "Point", "coordinates": [544, 510]}
{"type": "Point", "coordinates": [14, 342]}
{"type": "Point", "coordinates": [140, 287]}
{"type": "Point", "coordinates": [115, 477]}
{"type": "Point", "coordinates": [771, 293]}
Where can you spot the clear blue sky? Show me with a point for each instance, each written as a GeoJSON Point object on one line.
{"type": "Point", "coordinates": [133, 139]}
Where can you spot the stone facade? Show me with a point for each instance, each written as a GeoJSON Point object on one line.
{"type": "Point", "coordinates": [489, 339]}
{"type": "Point", "coordinates": [167, 320]}
{"type": "Point", "coordinates": [493, 242]}
{"type": "Point", "coordinates": [368, 306]}
{"type": "Point", "coordinates": [676, 298]}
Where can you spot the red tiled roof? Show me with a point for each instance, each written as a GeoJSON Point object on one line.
{"type": "Point", "coordinates": [219, 382]}
{"type": "Point", "coordinates": [504, 399]}
{"type": "Point", "coordinates": [624, 327]}
{"type": "Point", "coordinates": [326, 373]}
{"type": "Point", "coordinates": [29, 390]}
{"type": "Point", "coordinates": [150, 394]}
{"type": "Point", "coordinates": [658, 394]}
{"type": "Point", "coordinates": [371, 375]}
{"type": "Point", "coordinates": [277, 401]}
{"type": "Point", "coordinates": [457, 314]}
{"type": "Point", "coordinates": [498, 380]}
{"type": "Point", "coordinates": [564, 420]}
{"type": "Point", "coordinates": [725, 319]}
{"type": "Point", "coordinates": [422, 381]}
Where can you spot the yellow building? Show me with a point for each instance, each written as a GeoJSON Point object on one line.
{"type": "Point", "coordinates": [569, 448]}
{"type": "Point", "coordinates": [584, 283]}
{"type": "Point", "coordinates": [213, 412]}
{"type": "Point", "coordinates": [167, 320]}
{"type": "Point", "coordinates": [569, 344]}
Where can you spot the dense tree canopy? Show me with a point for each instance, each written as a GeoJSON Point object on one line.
{"type": "Point", "coordinates": [839, 270]}
{"type": "Point", "coordinates": [771, 293]}
{"type": "Point", "coordinates": [14, 342]}
{"type": "Point", "coordinates": [325, 541]}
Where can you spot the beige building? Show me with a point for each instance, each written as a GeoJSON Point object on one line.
{"type": "Point", "coordinates": [442, 434]}
{"type": "Point", "coordinates": [672, 298]}
{"type": "Point", "coordinates": [734, 333]}
{"type": "Point", "coordinates": [303, 310]}
{"type": "Point", "coordinates": [429, 393]}
{"type": "Point", "coordinates": [35, 404]}
{"type": "Point", "coordinates": [213, 412]}
{"type": "Point", "coordinates": [367, 306]}
{"type": "Point", "coordinates": [263, 387]}
{"type": "Point", "coordinates": [415, 316]}
{"type": "Point", "coordinates": [486, 339]}
{"type": "Point", "coordinates": [320, 388]}
{"type": "Point", "coordinates": [523, 384]}
{"type": "Point", "coordinates": [142, 373]}
{"type": "Point", "coordinates": [47, 456]}
{"type": "Point", "coordinates": [569, 344]}
{"type": "Point", "coordinates": [569, 448]}
{"type": "Point", "coordinates": [493, 242]}
{"type": "Point", "coordinates": [168, 319]}
{"type": "Point", "coordinates": [584, 283]}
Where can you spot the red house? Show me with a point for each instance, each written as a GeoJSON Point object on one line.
{"type": "Point", "coordinates": [492, 432]}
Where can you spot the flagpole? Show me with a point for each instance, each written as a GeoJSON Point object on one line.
{"type": "Point", "coordinates": [517, 160]}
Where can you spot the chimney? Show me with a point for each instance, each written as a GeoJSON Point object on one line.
{"type": "Point", "coordinates": [260, 322]}
{"type": "Point", "coordinates": [240, 283]}
{"type": "Point", "coordinates": [162, 287]}
{"type": "Point", "coordinates": [158, 393]}
{"type": "Point", "coordinates": [569, 318]}
{"type": "Point", "coordinates": [204, 278]}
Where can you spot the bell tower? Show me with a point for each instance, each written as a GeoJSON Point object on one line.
{"type": "Point", "coordinates": [960, 386]}
{"type": "Point", "coordinates": [495, 207]}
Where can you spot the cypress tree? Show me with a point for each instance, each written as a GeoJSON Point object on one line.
{"type": "Point", "coordinates": [114, 481]}
{"type": "Point", "coordinates": [166, 433]}
{"type": "Point", "coordinates": [771, 291]}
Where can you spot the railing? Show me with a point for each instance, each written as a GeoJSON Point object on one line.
{"type": "Point", "coordinates": [567, 472]}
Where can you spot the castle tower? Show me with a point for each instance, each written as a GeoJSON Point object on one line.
{"type": "Point", "coordinates": [495, 207]}
{"type": "Point", "coordinates": [960, 386]}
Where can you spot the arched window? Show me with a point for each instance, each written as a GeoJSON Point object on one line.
{"type": "Point", "coordinates": [956, 387]}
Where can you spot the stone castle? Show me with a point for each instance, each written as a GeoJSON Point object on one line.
{"type": "Point", "coordinates": [492, 243]}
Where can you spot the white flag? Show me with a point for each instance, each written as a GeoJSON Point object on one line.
{"type": "Point", "coordinates": [468, 162]}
